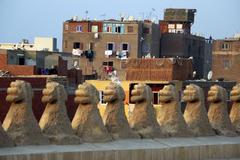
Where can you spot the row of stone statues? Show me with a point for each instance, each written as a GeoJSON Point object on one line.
{"type": "Point", "coordinates": [21, 128]}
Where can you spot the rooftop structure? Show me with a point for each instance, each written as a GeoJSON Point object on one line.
{"type": "Point", "coordinates": [40, 44]}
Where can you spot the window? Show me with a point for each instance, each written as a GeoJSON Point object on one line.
{"type": "Point", "coordinates": [66, 27]}
{"type": "Point", "coordinates": [225, 46]}
{"type": "Point", "coordinates": [91, 46]}
{"type": "Point", "coordinates": [130, 29]}
{"type": "Point", "coordinates": [118, 29]}
{"type": "Point", "coordinates": [109, 29]}
{"type": "Point", "coordinates": [226, 64]}
{"type": "Point", "coordinates": [78, 45]}
{"type": "Point", "coordinates": [125, 46]}
{"type": "Point", "coordinates": [65, 44]}
{"type": "Point", "coordinates": [94, 28]}
{"type": "Point", "coordinates": [79, 28]}
{"type": "Point", "coordinates": [171, 26]}
{"type": "Point", "coordinates": [110, 46]}
{"type": "Point", "coordinates": [108, 63]}
{"type": "Point", "coordinates": [179, 26]}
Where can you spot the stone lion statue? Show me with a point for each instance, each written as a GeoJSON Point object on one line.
{"type": "Point", "coordinates": [54, 122]}
{"type": "Point", "coordinates": [87, 122]}
{"type": "Point", "coordinates": [169, 113]}
{"type": "Point", "coordinates": [114, 116]}
{"type": "Point", "coordinates": [143, 119]}
{"type": "Point", "coordinates": [217, 113]}
{"type": "Point", "coordinates": [235, 111]}
{"type": "Point", "coordinates": [20, 123]}
{"type": "Point", "coordinates": [195, 112]}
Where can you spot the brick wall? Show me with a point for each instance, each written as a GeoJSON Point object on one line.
{"type": "Point", "coordinates": [226, 66]}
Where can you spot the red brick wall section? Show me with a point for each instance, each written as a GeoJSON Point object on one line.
{"type": "Point", "coordinates": [228, 72]}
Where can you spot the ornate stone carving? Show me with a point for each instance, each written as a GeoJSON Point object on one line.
{"type": "Point", "coordinates": [114, 116]}
{"type": "Point", "coordinates": [20, 123]}
{"type": "Point", "coordinates": [195, 113]}
{"type": "Point", "coordinates": [169, 113]}
{"type": "Point", "coordinates": [87, 122]}
{"type": "Point", "coordinates": [235, 111]}
{"type": "Point", "coordinates": [54, 122]}
{"type": "Point", "coordinates": [217, 113]}
{"type": "Point", "coordinates": [143, 118]}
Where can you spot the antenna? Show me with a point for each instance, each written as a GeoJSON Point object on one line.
{"type": "Point", "coordinates": [103, 16]}
{"type": "Point", "coordinates": [86, 12]}
{"type": "Point", "coordinates": [209, 76]}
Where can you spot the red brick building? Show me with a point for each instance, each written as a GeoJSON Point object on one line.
{"type": "Point", "coordinates": [226, 59]}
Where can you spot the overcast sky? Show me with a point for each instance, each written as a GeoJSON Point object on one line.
{"type": "Point", "coordinates": [30, 18]}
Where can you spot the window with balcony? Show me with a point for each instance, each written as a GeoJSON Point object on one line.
{"type": "Point", "coordinates": [78, 28]}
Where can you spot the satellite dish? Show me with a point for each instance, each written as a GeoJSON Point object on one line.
{"type": "Point", "coordinates": [209, 76]}
{"type": "Point", "coordinates": [194, 74]}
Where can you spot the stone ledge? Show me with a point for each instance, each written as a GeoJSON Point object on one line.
{"type": "Point", "coordinates": [217, 147]}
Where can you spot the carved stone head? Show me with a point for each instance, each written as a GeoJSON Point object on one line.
{"type": "Point", "coordinates": [235, 93]}
{"type": "Point", "coordinates": [141, 92]}
{"type": "Point", "coordinates": [19, 91]}
{"type": "Point", "coordinates": [54, 92]}
{"type": "Point", "coordinates": [193, 93]}
{"type": "Point", "coordinates": [217, 94]}
{"type": "Point", "coordinates": [113, 92]}
{"type": "Point", "coordinates": [168, 94]}
{"type": "Point", "coordinates": [86, 93]}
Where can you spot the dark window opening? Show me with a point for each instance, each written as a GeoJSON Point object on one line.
{"type": "Point", "coordinates": [118, 29]}
{"type": "Point", "coordinates": [110, 46]}
{"type": "Point", "coordinates": [77, 45]}
{"type": "Point", "coordinates": [108, 63]}
{"type": "Point", "coordinates": [21, 61]}
{"type": "Point", "coordinates": [125, 47]}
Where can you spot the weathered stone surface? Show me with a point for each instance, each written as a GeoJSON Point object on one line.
{"type": "Point", "coordinates": [235, 111]}
{"type": "Point", "coordinates": [195, 113]}
{"type": "Point", "coordinates": [20, 123]}
{"type": "Point", "coordinates": [87, 122]}
{"type": "Point", "coordinates": [5, 140]}
{"type": "Point", "coordinates": [143, 120]}
{"type": "Point", "coordinates": [169, 113]}
{"type": "Point", "coordinates": [114, 116]}
{"type": "Point", "coordinates": [54, 122]}
{"type": "Point", "coordinates": [217, 113]}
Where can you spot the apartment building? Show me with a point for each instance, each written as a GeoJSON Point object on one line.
{"type": "Point", "coordinates": [226, 58]}
{"type": "Point", "coordinates": [101, 47]}
{"type": "Point", "coordinates": [177, 40]}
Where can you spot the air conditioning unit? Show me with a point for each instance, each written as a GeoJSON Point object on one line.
{"type": "Point", "coordinates": [96, 36]}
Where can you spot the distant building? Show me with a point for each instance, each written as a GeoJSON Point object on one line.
{"type": "Point", "coordinates": [226, 58]}
{"type": "Point", "coordinates": [40, 44]}
{"type": "Point", "coordinates": [177, 40]}
{"type": "Point", "coordinates": [103, 46]}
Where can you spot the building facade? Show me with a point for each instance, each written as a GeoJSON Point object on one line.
{"type": "Point", "coordinates": [177, 40]}
{"type": "Point", "coordinates": [100, 47]}
{"type": "Point", "coordinates": [40, 44]}
{"type": "Point", "coordinates": [226, 59]}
